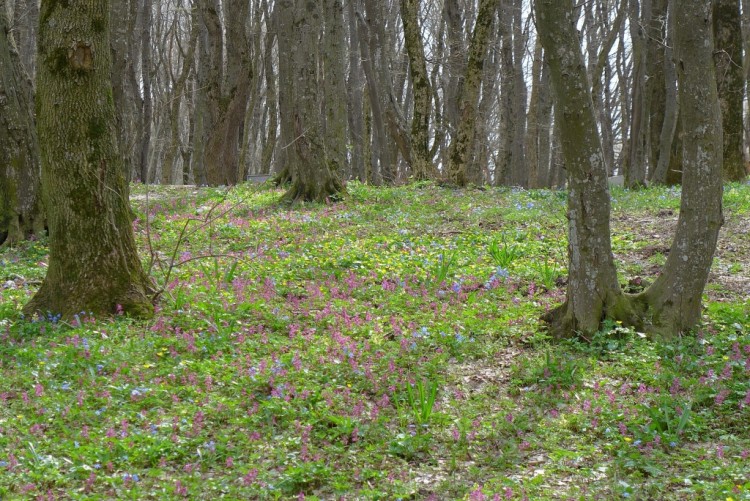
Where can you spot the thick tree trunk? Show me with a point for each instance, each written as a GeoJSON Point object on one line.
{"type": "Point", "coordinates": [462, 144]}
{"type": "Point", "coordinates": [593, 291]}
{"type": "Point", "coordinates": [21, 213]}
{"type": "Point", "coordinates": [674, 300]}
{"type": "Point", "coordinates": [312, 178]}
{"type": "Point", "coordinates": [93, 263]}
{"type": "Point", "coordinates": [730, 78]}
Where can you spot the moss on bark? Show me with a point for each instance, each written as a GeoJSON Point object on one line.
{"type": "Point", "coordinates": [93, 264]}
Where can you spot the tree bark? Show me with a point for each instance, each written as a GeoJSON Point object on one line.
{"type": "Point", "coordinates": [673, 302]}
{"type": "Point", "coordinates": [635, 169]}
{"type": "Point", "coordinates": [26, 26]}
{"type": "Point", "coordinates": [93, 263]}
{"type": "Point", "coordinates": [228, 92]}
{"type": "Point", "coordinates": [355, 93]}
{"type": "Point", "coordinates": [730, 78]}
{"type": "Point", "coordinates": [125, 89]}
{"type": "Point", "coordinates": [462, 144]}
{"type": "Point", "coordinates": [593, 291]}
{"type": "Point", "coordinates": [334, 86]}
{"type": "Point", "coordinates": [312, 178]}
{"type": "Point", "coordinates": [148, 104]}
{"type": "Point", "coordinates": [21, 211]}
{"type": "Point", "coordinates": [421, 163]}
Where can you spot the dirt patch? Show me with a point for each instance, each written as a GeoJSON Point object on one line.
{"type": "Point", "coordinates": [730, 275]}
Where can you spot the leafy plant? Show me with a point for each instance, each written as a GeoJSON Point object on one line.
{"type": "Point", "coordinates": [503, 253]}
{"type": "Point", "coordinates": [548, 273]}
{"type": "Point", "coordinates": [421, 400]}
{"type": "Point", "coordinates": [442, 268]}
{"type": "Point", "coordinates": [560, 371]}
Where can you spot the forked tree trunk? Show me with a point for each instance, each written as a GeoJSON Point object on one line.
{"type": "Point", "coordinates": [673, 302]}
{"type": "Point", "coordinates": [21, 213]}
{"type": "Point", "coordinates": [93, 262]}
{"type": "Point", "coordinates": [593, 291]}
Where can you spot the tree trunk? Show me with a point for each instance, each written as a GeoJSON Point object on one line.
{"type": "Point", "coordinates": [635, 169]}
{"type": "Point", "coordinates": [593, 291]}
{"type": "Point", "coordinates": [462, 144]}
{"type": "Point", "coordinates": [21, 212]}
{"type": "Point", "coordinates": [355, 93]}
{"type": "Point", "coordinates": [25, 27]}
{"type": "Point", "coordinates": [421, 163]}
{"type": "Point", "coordinates": [178, 87]}
{"type": "Point", "coordinates": [673, 302]}
{"type": "Point", "coordinates": [312, 178]}
{"type": "Point", "coordinates": [125, 90]}
{"type": "Point", "coordinates": [228, 92]}
{"type": "Point", "coordinates": [730, 78]}
{"type": "Point", "coordinates": [148, 104]}
{"type": "Point", "coordinates": [93, 263]}
{"type": "Point", "coordinates": [334, 86]}
{"type": "Point", "coordinates": [671, 107]}
{"type": "Point", "coordinates": [532, 129]}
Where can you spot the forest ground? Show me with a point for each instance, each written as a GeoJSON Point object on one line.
{"type": "Point", "coordinates": [387, 346]}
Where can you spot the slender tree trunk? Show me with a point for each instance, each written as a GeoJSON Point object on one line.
{"type": "Point", "coordinates": [128, 103]}
{"type": "Point", "coordinates": [93, 262]}
{"type": "Point", "coordinates": [355, 93]}
{"type": "Point", "coordinates": [148, 107]}
{"type": "Point", "coordinates": [178, 91]}
{"type": "Point", "coordinates": [532, 129]}
{"type": "Point", "coordinates": [421, 163]}
{"type": "Point", "coordinates": [731, 84]}
{"type": "Point", "coordinates": [334, 86]}
{"type": "Point", "coordinates": [21, 211]}
{"type": "Point", "coordinates": [462, 145]}
{"type": "Point", "coordinates": [26, 26]}
{"type": "Point", "coordinates": [671, 107]}
{"type": "Point", "coordinates": [635, 170]}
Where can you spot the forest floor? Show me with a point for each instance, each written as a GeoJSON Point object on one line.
{"type": "Point", "coordinates": [384, 347]}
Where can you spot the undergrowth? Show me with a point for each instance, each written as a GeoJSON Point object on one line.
{"type": "Point", "coordinates": [383, 347]}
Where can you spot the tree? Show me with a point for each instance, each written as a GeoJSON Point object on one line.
{"type": "Point", "coordinates": [93, 262]}
{"type": "Point", "coordinates": [593, 291]}
{"type": "Point", "coordinates": [731, 84]}
{"type": "Point", "coordinates": [672, 304]}
{"type": "Point", "coordinates": [463, 141]}
{"type": "Point", "coordinates": [313, 179]}
{"type": "Point", "coordinates": [419, 151]}
{"type": "Point", "coordinates": [21, 213]}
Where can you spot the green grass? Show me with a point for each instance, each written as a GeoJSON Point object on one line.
{"type": "Point", "coordinates": [384, 347]}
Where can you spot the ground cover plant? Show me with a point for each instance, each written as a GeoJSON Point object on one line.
{"type": "Point", "coordinates": [386, 346]}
